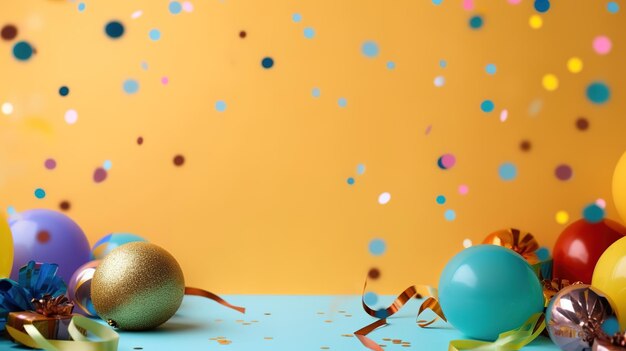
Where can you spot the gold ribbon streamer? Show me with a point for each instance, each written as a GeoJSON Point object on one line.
{"type": "Point", "coordinates": [32, 338]}
{"type": "Point", "coordinates": [524, 244]}
{"type": "Point", "coordinates": [212, 296]}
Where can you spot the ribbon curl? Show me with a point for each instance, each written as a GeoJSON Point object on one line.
{"type": "Point", "coordinates": [53, 306]}
{"type": "Point", "coordinates": [212, 296]}
{"type": "Point", "coordinates": [524, 244]}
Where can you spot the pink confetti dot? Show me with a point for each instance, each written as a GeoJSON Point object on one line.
{"type": "Point", "coordinates": [428, 129]}
{"type": "Point", "coordinates": [504, 115]}
{"type": "Point", "coordinates": [187, 6]}
{"type": "Point", "coordinates": [601, 203]}
{"type": "Point", "coordinates": [165, 80]}
{"type": "Point", "coordinates": [50, 163]}
{"type": "Point", "coordinates": [99, 175]}
{"type": "Point", "coordinates": [447, 161]}
{"type": "Point", "coordinates": [602, 45]}
{"type": "Point", "coordinates": [468, 5]}
{"type": "Point", "coordinates": [514, 2]}
{"type": "Point", "coordinates": [463, 189]}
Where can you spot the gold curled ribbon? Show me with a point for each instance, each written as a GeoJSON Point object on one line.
{"type": "Point", "coordinates": [524, 244]}
{"type": "Point", "coordinates": [212, 296]}
{"type": "Point", "coordinates": [553, 286]}
{"type": "Point", "coordinates": [108, 338]}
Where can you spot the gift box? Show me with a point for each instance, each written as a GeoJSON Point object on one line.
{"type": "Point", "coordinates": [51, 327]}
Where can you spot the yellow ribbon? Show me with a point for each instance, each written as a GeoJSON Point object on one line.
{"type": "Point", "coordinates": [108, 338]}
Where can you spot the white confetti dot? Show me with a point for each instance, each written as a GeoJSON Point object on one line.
{"type": "Point", "coordinates": [384, 198]}
{"type": "Point", "coordinates": [440, 81]}
{"type": "Point", "coordinates": [504, 115]}
{"type": "Point", "coordinates": [7, 108]}
{"type": "Point", "coordinates": [136, 14]}
{"type": "Point", "coordinates": [467, 243]}
{"type": "Point", "coordinates": [71, 116]}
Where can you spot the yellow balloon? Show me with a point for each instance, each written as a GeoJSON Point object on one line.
{"type": "Point", "coordinates": [610, 277]}
{"type": "Point", "coordinates": [619, 187]}
{"type": "Point", "coordinates": [6, 248]}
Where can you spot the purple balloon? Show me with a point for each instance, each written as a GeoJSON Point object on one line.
{"type": "Point", "coordinates": [50, 237]}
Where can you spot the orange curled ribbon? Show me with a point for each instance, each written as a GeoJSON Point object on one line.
{"type": "Point", "coordinates": [552, 287]}
{"type": "Point", "coordinates": [212, 296]}
{"type": "Point", "coordinates": [524, 244]}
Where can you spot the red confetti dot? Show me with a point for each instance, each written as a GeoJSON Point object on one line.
{"type": "Point", "coordinates": [9, 32]}
{"type": "Point", "coordinates": [139, 140]}
{"type": "Point", "coordinates": [43, 236]}
{"type": "Point", "coordinates": [179, 160]}
{"type": "Point", "coordinates": [242, 34]}
{"type": "Point", "coordinates": [582, 124]}
{"type": "Point", "coordinates": [525, 145]}
{"type": "Point", "coordinates": [374, 273]}
{"type": "Point", "coordinates": [99, 175]}
{"type": "Point", "coordinates": [64, 205]}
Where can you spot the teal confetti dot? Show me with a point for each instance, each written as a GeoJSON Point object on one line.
{"type": "Point", "coordinates": [437, 2]}
{"type": "Point", "coordinates": [40, 193]}
{"type": "Point", "coordinates": [377, 247]}
{"type": "Point", "coordinates": [543, 253]}
{"type": "Point", "coordinates": [342, 102]}
{"type": "Point", "coordinates": [476, 22]}
{"type": "Point", "coordinates": [350, 181]}
{"type": "Point", "coordinates": [507, 171]}
{"type": "Point", "coordinates": [443, 63]}
{"type": "Point", "coordinates": [487, 106]}
{"type": "Point", "coordinates": [296, 17]}
{"type": "Point", "coordinates": [370, 49]}
{"type": "Point", "coordinates": [154, 34]}
{"type": "Point", "coordinates": [593, 213]}
{"type": "Point", "coordinates": [370, 298]}
{"type": "Point", "coordinates": [220, 106]}
{"type": "Point", "coordinates": [610, 326]}
{"type": "Point", "coordinates": [309, 33]}
{"type": "Point", "coordinates": [612, 7]}
{"type": "Point", "coordinates": [542, 5]}
{"type": "Point", "coordinates": [450, 215]}
{"type": "Point", "coordinates": [491, 68]}
{"type": "Point", "coordinates": [107, 165]}
{"type": "Point", "coordinates": [316, 92]}
{"type": "Point", "coordinates": [441, 199]}
{"type": "Point", "coordinates": [131, 86]}
{"type": "Point", "coordinates": [22, 51]}
{"type": "Point", "coordinates": [11, 210]}
{"type": "Point", "coordinates": [360, 169]}
{"type": "Point", "coordinates": [81, 7]}
{"type": "Point", "coordinates": [391, 65]}
{"type": "Point", "coordinates": [175, 7]}
{"type": "Point", "coordinates": [598, 93]}
{"type": "Point", "coordinates": [144, 65]}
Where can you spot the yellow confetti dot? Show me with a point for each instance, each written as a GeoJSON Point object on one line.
{"type": "Point", "coordinates": [550, 82]}
{"type": "Point", "coordinates": [562, 217]}
{"type": "Point", "coordinates": [575, 65]}
{"type": "Point", "coordinates": [535, 21]}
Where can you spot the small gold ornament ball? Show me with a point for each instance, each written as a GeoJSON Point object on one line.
{"type": "Point", "coordinates": [138, 286]}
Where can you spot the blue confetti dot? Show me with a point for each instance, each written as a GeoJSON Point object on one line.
{"type": "Point", "coordinates": [81, 7]}
{"type": "Point", "coordinates": [267, 62]}
{"type": "Point", "coordinates": [114, 29]}
{"type": "Point", "coordinates": [40, 193]}
{"type": "Point", "coordinates": [175, 7]}
{"type": "Point", "coordinates": [154, 34]}
{"type": "Point", "coordinates": [543, 253]}
{"type": "Point", "coordinates": [370, 298]}
{"type": "Point", "coordinates": [443, 63]}
{"type": "Point", "coordinates": [64, 91]}
{"type": "Point", "coordinates": [593, 213]}
{"type": "Point", "coordinates": [437, 2]}
{"type": "Point", "coordinates": [11, 210]}
{"type": "Point", "coordinates": [370, 49]}
{"type": "Point", "coordinates": [144, 65]}
{"type": "Point", "coordinates": [610, 326]}
{"type": "Point", "coordinates": [598, 93]}
{"type": "Point", "coordinates": [360, 169]}
{"type": "Point", "coordinates": [316, 92]}
{"type": "Point", "coordinates": [220, 106]}
{"type": "Point", "coordinates": [476, 22]}
{"type": "Point", "coordinates": [507, 171]}
{"type": "Point", "coordinates": [309, 33]}
{"type": "Point", "coordinates": [612, 7]}
{"type": "Point", "coordinates": [542, 5]}
{"type": "Point", "coordinates": [377, 247]}
{"type": "Point", "coordinates": [131, 86]}
{"type": "Point", "coordinates": [382, 313]}
{"type": "Point", "coordinates": [491, 68]}
{"type": "Point", "coordinates": [342, 102]}
{"type": "Point", "coordinates": [22, 51]}
{"type": "Point", "coordinates": [350, 181]}
{"type": "Point", "coordinates": [296, 17]}
{"type": "Point", "coordinates": [450, 215]}
{"type": "Point", "coordinates": [107, 165]}
{"type": "Point", "coordinates": [391, 65]}
{"type": "Point", "coordinates": [487, 106]}
{"type": "Point", "coordinates": [441, 199]}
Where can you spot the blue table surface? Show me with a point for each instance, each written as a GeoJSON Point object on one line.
{"type": "Point", "coordinates": [274, 322]}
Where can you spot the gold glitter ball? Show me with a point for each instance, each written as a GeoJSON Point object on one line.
{"type": "Point", "coordinates": [138, 286]}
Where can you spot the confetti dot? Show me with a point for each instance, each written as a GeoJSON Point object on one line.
{"type": "Point", "coordinates": [449, 215]}
{"type": "Point", "coordinates": [446, 161]}
{"type": "Point", "coordinates": [377, 247]}
{"type": "Point", "coordinates": [40, 193]}
{"type": "Point", "coordinates": [175, 7]}
{"type": "Point", "coordinates": [242, 34]}
{"type": "Point", "coordinates": [535, 107]}
{"type": "Point", "coordinates": [50, 163]}
{"type": "Point", "coordinates": [429, 128]}
{"type": "Point", "coordinates": [550, 82]}
{"type": "Point", "coordinates": [476, 22]}
{"type": "Point", "coordinates": [370, 49]}
{"type": "Point", "coordinates": [370, 298]}
{"type": "Point", "coordinates": [154, 34]}
{"type": "Point", "coordinates": [99, 175]}
{"type": "Point", "coordinates": [81, 7]}
{"type": "Point", "coordinates": [598, 93]}
{"type": "Point", "coordinates": [535, 22]}
{"type": "Point", "coordinates": [507, 171]}
{"type": "Point", "coordinates": [144, 65]}
{"type": "Point", "coordinates": [582, 124]}
{"type": "Point", "coordinates": [593, 213]}
{"type": "Point", "coordinates": [71, 116]}
{"type": "Point", "coordinates": [220, 106]}
{"type": "Point", "coordinates": [360, 169]}
{"type": "Point", "coordinates": [439, 81]}
{"type": "Point", "coordinates": [467, 243]}
{"type": "Point", "coordinates": [43, 236]}
{"type": "Point", "coordinates": [114, 29]}
{"type": "Point", "coordinates": [64, 205]}
{"type": "Point", "coordinates": [187, 6]}
{"type": "Point", "coordinates": [8, 32]}
{"type": "Point", "coordinates": [296, 17]}
{"type": "Point", "coordinates": [463, 189]}
{"type": "Point", "coordinates": [441, 199]}
{"type": "Point", "coordinates": [342, 102]}
{"type": "Point", "coordinates": [136, 14]}
{"type": "Point", "coordinates": [487, 106]}
{"type": "Point", "coordinates": [602, 45]}
{"type": "Point", "coordinates": [563, 172]}
{"type": "Point", "coordinates": [165, 80]}
{"type": "Point", "coordinates": [139, 140]}
{"type": "Point", "coordinates": [601, 203]}
{"type": "Point", "coordinates": [131, 86]}
{"type": "Point", "coordinates": [491, 68]}
{"type": "Point", "coordinates": [562, 217]}
{"type": "Point", "coordinates": [22, 51]}
{"type": "Point", "coordinates": [384, 198]}
{"type": "Point", "coordinates": [504, 115]}
{"type": "Point", "coordinates": [525, 145]}
{"type": "Point", "coordinates": [612, 7]}
{"type": "Point", "coordinates": [610, 326]}
{"type": "Point", "coordinates": [443, 63]}
{"type": "Point", "coordinates": [64, 91]}
{"type": "Point", "coordinates": [315, 92]}
{"type": "Point", "coordinates": [11, 210]}
{"type": "Point", "coordinates": [574, 65]}
{"type": "Point", "coordinates": [107, 165]}
{"type": "Point", "coordinates": [267, 62]}
{"type": "Point", "coordinates": [350, 181]}
{"type": "Point", "coordinates": [309, 33]}
{"type": "Point", "coordinates": [437, 2]}
{"type": "Point", "coordinates": [374, 273]}
{"type": "Point", "coordinates": [179, 160]}
{"type": "Point", "coordinates": [468, 5]}
{"type": "Point", "coordinates": [542, 5]}
{"type": "Point", "coordinates": [7, 108]}
{"type": "Point", "coordinates": [391, 65]}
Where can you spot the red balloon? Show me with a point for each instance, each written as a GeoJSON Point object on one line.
{"type": "Point", "coordinates": [579, 247]}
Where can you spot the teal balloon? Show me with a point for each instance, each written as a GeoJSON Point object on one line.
{"type": "Point", "coordinates": [112, 241]}
{"type": "Point", "coordinates": [486, 290]}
